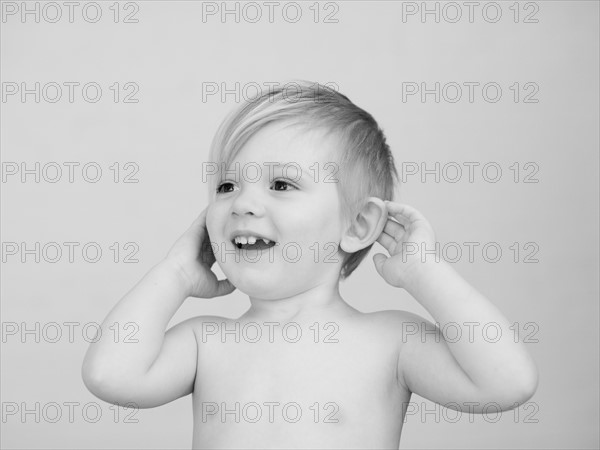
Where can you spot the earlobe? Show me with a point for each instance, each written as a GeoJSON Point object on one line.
{"type": "Point", "coordinates": [366, 226]}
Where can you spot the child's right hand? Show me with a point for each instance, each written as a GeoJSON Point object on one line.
{"type": "Point", "coordinates": [192, 257]}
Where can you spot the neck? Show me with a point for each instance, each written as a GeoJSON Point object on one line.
{"type": "Point", "coordinates": [317, 302]}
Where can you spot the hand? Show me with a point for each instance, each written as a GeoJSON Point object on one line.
{"type": "Point", "coordinates": [192, 257]}
{"type": "Point", "coordinates": [404, 238]}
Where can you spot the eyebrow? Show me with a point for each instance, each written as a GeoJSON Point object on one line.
{"type": "Point", "coordinates": [290, 164]}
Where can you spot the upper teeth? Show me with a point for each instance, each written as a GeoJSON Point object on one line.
{"type": "Point", "coordinates": [249, 240]}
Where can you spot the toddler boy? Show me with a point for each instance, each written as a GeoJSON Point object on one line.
{"type": "Point", "coordinates": [302, 186]}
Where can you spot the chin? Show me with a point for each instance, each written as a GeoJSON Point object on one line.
{"type": "Point", "coordinates": [248, 278]}
{"type": "Point", "coordinates": [258, 289]}
{"type": "Point", "coordinates": [259, 282]}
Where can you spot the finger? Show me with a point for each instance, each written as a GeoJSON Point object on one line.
{"type": "Point", "coordinates": [387, 241]}
{"type": "Point", "coordinates": [224, 287]}
{"type": "Point", "coordinates": [403, 213]}
{"type": "Point", "coordinates": [394, 229]}
{"type": "Point", "coordinates": [199, 224]}
{"type": "Point", "coordinates": [379, 260]}
{"type": "Point", "coordinates": [207, 252]}
{"type": "Point", "coordinates": [200, 221]}
{"type": "Point", "coordinates": [398, 218]}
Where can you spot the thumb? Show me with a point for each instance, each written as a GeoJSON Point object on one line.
{"type": "Point", "coordinates": [224, 287]}
{"type": "Point", "coordinates": [379, 259]}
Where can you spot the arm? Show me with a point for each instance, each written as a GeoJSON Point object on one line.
{"type": "Point", "coordinates": [157, 367]}
{"type": "Point", "coordinates": [475, 368]}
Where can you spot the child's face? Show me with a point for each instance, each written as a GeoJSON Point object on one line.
{"type": "Point", "coordinates": [301, 212]}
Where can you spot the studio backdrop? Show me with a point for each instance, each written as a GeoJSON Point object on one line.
{"type": "Point", "coordinates": [108, 111]}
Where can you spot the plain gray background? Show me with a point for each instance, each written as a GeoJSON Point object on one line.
{"type": "Point", "coordinates": [369, 53]}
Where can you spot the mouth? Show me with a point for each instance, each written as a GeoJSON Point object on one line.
{"type": "Point", "coordinates": [252, 243]}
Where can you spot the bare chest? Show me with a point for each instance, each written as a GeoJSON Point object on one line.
{"type": "Point", "coordinates": [306, 367]}
{"type": "Point", "coordinates": [308, 388]}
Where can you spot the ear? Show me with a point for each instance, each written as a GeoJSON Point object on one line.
{"type": "Point", "coordinates": [366, 226]}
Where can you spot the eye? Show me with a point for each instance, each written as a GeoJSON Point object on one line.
{"type": "Point", "coordinates": [284, 184]}
{"type": "Point", "coordinates": [225, 188]}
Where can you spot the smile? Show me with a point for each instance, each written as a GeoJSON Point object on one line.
{"type": "Point", "coordinates": [252, 243]}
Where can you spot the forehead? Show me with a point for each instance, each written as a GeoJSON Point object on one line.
{"type": "Point", "coordinates": [285, 142]}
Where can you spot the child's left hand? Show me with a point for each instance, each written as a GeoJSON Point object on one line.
{"type": "Point", "coordinates": [406, 239]}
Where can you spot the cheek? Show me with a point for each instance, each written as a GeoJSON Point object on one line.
{"type": "Point", "coordinates": [319, 223]}
{"type": "Point", "coordinates": [212, 215]}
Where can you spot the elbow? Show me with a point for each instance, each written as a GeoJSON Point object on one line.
{"type": "Point", "coordinates": [524, 386]}
{"type": "Point", "coordinates": [513, 389]}
{"type": "Point", "coordinates": [94, 380]}
{"type": "Point", "coordinates": [529, 385]}
{"type": "Point", "coordinates": [90, 374]}
{"type": "Point", "coordinates": [102, 383]}
{"type": "Point", "coordinates": [113, 388]}
{"type": "Point", "coordinates": [530, 380]}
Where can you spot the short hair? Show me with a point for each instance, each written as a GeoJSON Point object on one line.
{"type": "Point", "coordinates": [366, 164]}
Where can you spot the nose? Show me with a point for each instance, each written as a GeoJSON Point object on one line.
{"type": "Point", "coordinates": [248, 201]}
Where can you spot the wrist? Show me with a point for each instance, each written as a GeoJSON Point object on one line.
{"type": "Point", "coordinates": [172, 272]}
{"type": "Point", "coordinates": [424, 274]}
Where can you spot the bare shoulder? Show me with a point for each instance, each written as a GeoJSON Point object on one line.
{"type": "Point", "coordinates": [200, 324]}
{"type": "Point", "coordinates": [393, 318]}
{"type": "Point", "coordinates": [394, 325]}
